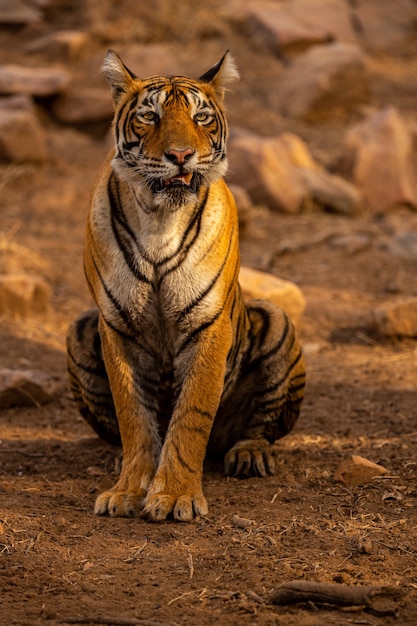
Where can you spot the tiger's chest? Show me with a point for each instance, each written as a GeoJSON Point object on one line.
{"type": "Point", "coordinates": [160, 279]}
{"type": "Point", "coordinates": [160, 276]}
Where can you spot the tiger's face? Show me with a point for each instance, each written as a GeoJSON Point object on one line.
{"type": "Point", "coordinates": [170, 132]}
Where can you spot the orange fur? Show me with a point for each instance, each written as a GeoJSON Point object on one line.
{"type": "Point", "coordinates": [162, 261]}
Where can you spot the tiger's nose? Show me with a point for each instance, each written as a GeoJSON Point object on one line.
{"type": "Point", "coordinates": [179, 157]}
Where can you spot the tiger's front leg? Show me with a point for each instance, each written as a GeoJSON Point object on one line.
{"type": "Point", "coordinates": [177, 486]}
{"type": "Point", "coordinates": [137, 425]}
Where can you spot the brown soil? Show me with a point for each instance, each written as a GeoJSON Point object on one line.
{"type": "Point", "coordinates": [57, 560]}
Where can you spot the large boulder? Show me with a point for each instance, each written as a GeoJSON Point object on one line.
{"type": "Point", "coordinates": [326, 81]}
{"type": "Point", "coordinates": [284, 32]}
{"type": "Point", "coordinates": [22, 136]}
{"type": "Point", "coordinates": [23, 295]}
{"type": "Point", "coordinates": [385, 25]}
{"type": "Point", "coordinates": [33, 81]}
{"type": "Point", "coordinates": [66, 45]}
{"type": "Point", "coordinates": [329, 191]}
{"type": "Point", "coordinates": [83, 106]}
{"type": "Point", "coordinates": [280, 173]}
{"type": "Point", "coordinates": [283, 293]}
{"type": "Point", "coordinates": [262, 167]}
{"type": "Point", "coordinates": [18, 12]}
{"type": "Point", "coordinates": [26, 388]}
{"type": "Point", "coordinates": [380, 155]}
{"type": "Point", "coordinates": [397, 319]}
{"type": "Point", "coordinates": [291, 26]}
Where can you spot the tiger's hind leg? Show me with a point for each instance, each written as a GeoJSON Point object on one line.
{"type": "Point", "coordinates": [88, 378]}
{"type": "Point", "coordinates": [267, 395]}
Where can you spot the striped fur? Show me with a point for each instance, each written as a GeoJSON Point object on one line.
{"type": "Point", "coordinates": [172, 350]}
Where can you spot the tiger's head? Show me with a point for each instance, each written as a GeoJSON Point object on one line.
{"type": "Point", "coordinates": [170, 131]}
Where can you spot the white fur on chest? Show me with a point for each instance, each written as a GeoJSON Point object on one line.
{"type": "Point", "coordinates": [166, 252]}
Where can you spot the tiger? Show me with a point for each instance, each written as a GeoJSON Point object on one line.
{"type": "Point", "coordinates": [172, 365]}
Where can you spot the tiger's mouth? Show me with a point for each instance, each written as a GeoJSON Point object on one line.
{"type": "Point", "coordinates": [187, 182]}
{"type": "Point", "coordinates": [179, 180]}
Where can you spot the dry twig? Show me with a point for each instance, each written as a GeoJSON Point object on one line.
{"type": "Point", "coordinates": [379, 600]}
{"type": "Point", "coordinates": [138, 551]}
{"type": "Point", "coordinates": [190, 565]}
{"type": "Point", "coordinates": [242, 522]}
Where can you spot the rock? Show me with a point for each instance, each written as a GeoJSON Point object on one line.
{"type": "Point", "coordinates": [82, 106]}
{"type": "Point", "coordinates": [331, 192]}
{"type": "Point", "coordinates": [23, 295]}
{"type": "Point", "coordinates": [34, 81]}
{"type": "Point", "coordinates": [297, 151]}
{"type": "Point", "coordinates": [397, 319]}
{"type": "Point", "coordinates": [18, 12]}
{"type": "Point", "coordinates": [279, 29]}
{"type": "Point", "coordinates": [283, 293]}
{"type": "Point", "coordinates": [243, 203]}
{"type": "Point", "coordinates": [262, 166]}
{"type": "Point", "coordinates": [96, 471]}
{"type": "Point", "coordinates": [279, 172]}
{"type": "Point", "coordinates": [14, 103]}
{"type": "Point", "coordinates": [22, 137]}
{"type": "Point", "coordinates": [327, 81]}
{"type": "Point", "coordinates": [380, 155]}
{"type": "Point", "coordinates": [332, 15]}
{"type": "Point", "coordinates": [385, 25]}
{"type": "Point", "coordinates": [404, 245]}
{"type": "Point", "coordinates": [66, 45]}
{"type": "Point", "coordinates": [351, 243]}
{"type": "Point", "coordinates": [242, 522]}
{"type": "Point", "coordinates": [291, 24]}
{"type": "Point", "coordinates": [358, 471]}
{"type": "Point", "coordinates": [25, 388]}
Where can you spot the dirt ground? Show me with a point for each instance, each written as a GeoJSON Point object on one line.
{"type": "Point", "coordinates": [58, 562]}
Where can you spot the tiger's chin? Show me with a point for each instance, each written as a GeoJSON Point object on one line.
{"type": "Point", "coordinates": [176, 192]}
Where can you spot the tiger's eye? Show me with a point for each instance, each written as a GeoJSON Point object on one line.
{"type": "Point", "coordinates": [201, 117]}
{"type": "Point", "coordinates": [150, 116]}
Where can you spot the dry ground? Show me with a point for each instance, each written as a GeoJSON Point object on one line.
{"type": "Point", "coordinates": [59, 562]}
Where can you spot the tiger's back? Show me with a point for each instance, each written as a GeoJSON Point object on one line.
{"type": "Point", "coordinates": [177, 342]}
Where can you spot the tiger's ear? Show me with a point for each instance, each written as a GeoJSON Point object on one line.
{"type": "Point", "coordinates": [117, 74]}
{"type": "Point", "coordinates": [221, 74]}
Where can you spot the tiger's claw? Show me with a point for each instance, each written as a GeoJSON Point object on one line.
{"type": "Point", "coordinates": [251, 457]}
{"type": "Point", "coordinates": [183, 508]}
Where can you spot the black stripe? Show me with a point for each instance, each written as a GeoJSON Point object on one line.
{"type": "Point", "coordinates": [80, 328]}
{"type": "Point", "coordinates": [209, 322]}
{"type": "Point", "coordinates": [252, 365]}
{"type": "Point", "coordinates": [209, 287]}
{"type": "Point", "coordinates": [181, 459]}
{"type": "Point", "coordinates": [198, 330]}
{"type": "Point", "coordinates": [235, 352]}
{"type": "Point", "coordinates": [277, 384]}
{"type": "Point", "coordinates": [118, 217]}
{"type": "Point", "coordinates": [124, 316]}
{"type": "Point", "coordinates": [99, 371]}
{"type": "Point", "coordinates": [124, 113]}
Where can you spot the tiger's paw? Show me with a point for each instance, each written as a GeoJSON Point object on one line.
{"type": "Point", "coordinates": [119, 503]}
{"type": "Point", "coordinates": [184, 508]}
{"type": "Point", "coordinates": [250, 457]}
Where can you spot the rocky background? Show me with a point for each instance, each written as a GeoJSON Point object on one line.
{"type": "Point", "coordinates": [323, 165]}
